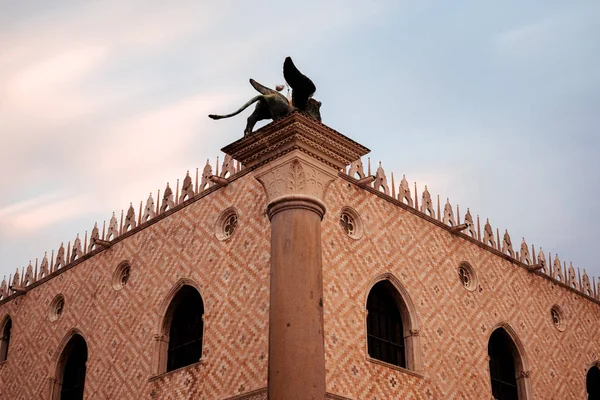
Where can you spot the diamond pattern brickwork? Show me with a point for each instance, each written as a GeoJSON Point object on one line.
{"type": "Point", "coordinates": [454, 323]}
{"type": "Point", "coordinates": [233, 276]}
{"type": "Point", "coordinates": [119, 326]}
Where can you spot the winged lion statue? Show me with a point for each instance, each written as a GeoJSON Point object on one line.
{"type": "Point", "coordinates": [273, 105]}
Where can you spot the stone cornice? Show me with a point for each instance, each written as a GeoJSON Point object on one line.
{"type": "Point", "coordinates": [296, 132]}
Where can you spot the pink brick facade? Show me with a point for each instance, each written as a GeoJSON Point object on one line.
{"type": "Point", "coordinates": [454, 324]}
{"type": "Point", "coordinates": [450, 329]}
{"type": "Point", "coordinates": [120, 326]}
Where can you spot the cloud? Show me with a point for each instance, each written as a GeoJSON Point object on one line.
{"type": "Point", "coordinates": [555, 43]}
{"type": "Point", "coordinates": [30, 215]}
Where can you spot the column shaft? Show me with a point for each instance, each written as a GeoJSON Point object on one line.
{"type": "Point", "coordinates": [296, 345]}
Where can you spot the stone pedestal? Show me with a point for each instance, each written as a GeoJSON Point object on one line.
{"type": "Point", "coordinates": [295, 159]}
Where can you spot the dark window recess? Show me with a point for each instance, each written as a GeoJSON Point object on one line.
{"type": "Point", "coordinates": [185, 333]}
{"type": "Point", "coordinates": [73, 376]}
{"type": "Point", "coordinates": [502, 366]}
{"type": "Point", "coordinates": [384, 326]}
{"type": "Point", "coordinates": [592, 382]}
{"type": "Point", "coordinates": [5, 340]}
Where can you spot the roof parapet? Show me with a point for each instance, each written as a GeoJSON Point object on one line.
{"type": "Point", "coordinates": [555, 271]}
{"type": "Point", "coordinates": [21, 281]}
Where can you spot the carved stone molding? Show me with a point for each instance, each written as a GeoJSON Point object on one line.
{"type": "Point", "coordinates": [296, 132]}
{"type": "Point", "coordinates": [259, 394]}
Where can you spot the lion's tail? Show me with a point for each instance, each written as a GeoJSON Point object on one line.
{"type": "Point", "coordinates": [242, 108]}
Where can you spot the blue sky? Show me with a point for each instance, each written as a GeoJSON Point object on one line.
{"type": "Point", "coordinates": [492, 104]}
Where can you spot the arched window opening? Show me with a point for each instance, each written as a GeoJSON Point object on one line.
{"type": "Point", "coordinates": [5, 339]}
{"type": "Point", "coordinates": [73, 368]}
{"type": "Point", "coordinates": [385, 329]}
{"type": "Point", "coordinates": [592, 383]}
{"type": "Point", "coordinates": [503, 366]}
{"type": "Point", "coordinates": [185, 328]}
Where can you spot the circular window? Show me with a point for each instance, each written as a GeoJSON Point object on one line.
{"type": "Point", "coordinates": [558, 319]}
{"type": "Point", "coordinates": [467, 276]}
{"type": "Point", "coordinates": [226, 224]}
{"type": "Point", "coordinates": [121, 275]}
{"type": "Point", "coordinates": [56, 308]}
{"type": "Point", "coordinates": [351, 223]}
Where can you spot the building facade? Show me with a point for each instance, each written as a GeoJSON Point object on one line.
{"type": "Point", "coordinates": [296, 277]}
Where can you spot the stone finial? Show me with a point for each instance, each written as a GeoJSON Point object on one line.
{"type": "Point", "coordinates": [381, 180]}
{"type": "Point", "coordinates": [416, 197]}
{"type": "Point", "coordinates": [149, 212]}
{"type": "Point", "coordinates": [130, 222]}
{"type": "Point", "coordinates": [187, 189]}
{"type": "Point", "coordinates": [44, 270]}
{"type": "Point", "coordinates": [507, 247]}
{"type": "Point", "coordinates": [29, 277]}
{"type": "Point", "coordinates": [16, 282]}
{"type": "Point", "coordinates": [404, 192]}
{"type": "Point", "coordinates": [228, 167]}
{"type": "Point", "coordinates": [488, 234]}
{"type": "Point", "coordinates": [470, 225]}
{"type": "Point", "coordinates": [541, 260]}
{"type": "Point", "coordinates": [3, 289]}
{"type": "Point", "coordinates": [206, 173]}
{"type": "Point", "coordinates": [167, 200]}
{"type": "Point", "coordinates": [357, 168]}
{"type": "Point", "coordinates": [571, 277]}
{"type": "Point", "coordinates": [586, 287]}
{"type": "Point", "coordinates": [113, 228]}
{"type": "Point", "coordinates": [93, 237]}
{"type": "Point", "coordinates": [427, 204]}
{"type": "Point", "coordinates": [558, 274]}
{"type": "Point", "coordinates": [525, 257]}
{"type": "Point", "coordinates": [448, 214]}
{"type": "Point", "coordinates": [60, 258]}
{"type": "Point", "coordinates": [76, 252]}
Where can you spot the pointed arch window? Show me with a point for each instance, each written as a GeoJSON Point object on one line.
{"type": "Point", "coordinates": [592, 383]}
{"type": "Point", "coordinates": [384, 326]}
{"type": "Point", "coordinates": [72, 369]}
{"type": "Point", "coordinates": [508, 378]}
{"type": "Point", "coordinates": [184, 326]}
{"type": "Point", "coordinates": [5, 338]}
{"type": "Point", "coordinates": [392, 327]}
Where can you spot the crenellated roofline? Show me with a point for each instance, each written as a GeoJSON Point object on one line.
{"type": "Point", "coordinates": [470, 230]}
{"type": "Point", "coordinates": [194, 189]}
{"type": "Point", "coordinates": [191, 191]}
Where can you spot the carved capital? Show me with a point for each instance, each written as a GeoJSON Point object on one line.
{"type": "Point", "coordinates": [295, 174]}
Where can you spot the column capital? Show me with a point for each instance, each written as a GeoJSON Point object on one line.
{"type": "Point", "coordinates": [295, 181]}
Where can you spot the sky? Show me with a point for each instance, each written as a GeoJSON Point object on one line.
{"type": "Point", "coordinates": [495, 105]}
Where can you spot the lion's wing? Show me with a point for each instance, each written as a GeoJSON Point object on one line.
{"type": "Point", "coordinates": [302, 87]}
{"type": "Point", "coordinates": [265, 90]}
